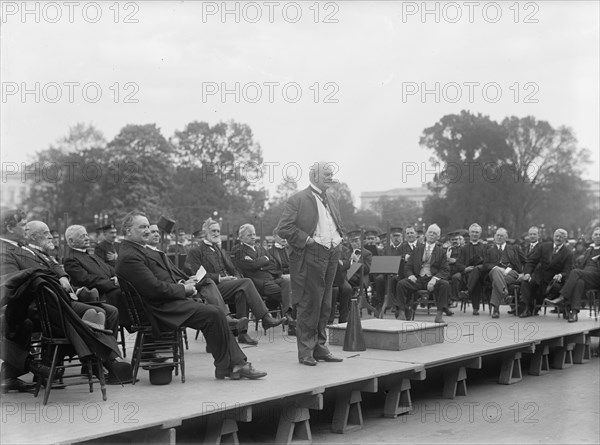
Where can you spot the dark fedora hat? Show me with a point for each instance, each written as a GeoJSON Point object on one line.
{"type": "Point", "coordinates": [161, 375]}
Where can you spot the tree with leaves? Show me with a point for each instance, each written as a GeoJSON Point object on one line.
{"type": "Point", "coordinates": [502, 174]}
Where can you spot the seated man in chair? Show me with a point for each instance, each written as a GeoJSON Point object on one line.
{"type": "Point", "coordinates": [555, 261]}
{"type": "Point", "coordinates": [170, 303]}
{"type": "Point", "coordinates": [504, 264]}
{"type": "Point", "coordinates": [581, 279]}
{"type": "Point", "coordinates": [255, 262]}
{"type": "Point", "coordinates": [426, 269]}
{"type": "Point", "coordinates": [23, 247]}
{"type": "Point", "coordinates": [234, 289]}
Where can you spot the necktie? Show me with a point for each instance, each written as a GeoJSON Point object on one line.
{"type": "Point", "coordinates": [325, 201]}
{"type": "Point", "coordinates": [166, 263]}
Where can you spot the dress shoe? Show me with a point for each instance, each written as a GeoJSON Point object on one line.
{"type": "Point", "coordinates": [512, 311]}
{"type": "Point", "coordinates": [495, 313]}
{"type": "Point", "coordinates": [329, 358]}
{"type": "Point", "coordinates": [119, 371]}
{"type": "Point", "coordinates": [572, 317]}
{"type": "Point", "coordinates": [555, 301]}
{"type": "Point", "coordinates": [14, 384]}
{"type": "Point", "coordinates": [36, 367]}
{"type": "Point", "coordinates": [246, 339]}
{"type": "Point", "coordinates": [269, 322]}
{"type": "Point", "coordinates": [525, 314]}
{"type": "Point", "coordinates": [448, 312]}
{"type": "Point", "coordinates": [308, 361]}
{"type": "Point", "coordinates": [246, 371]}
{"type": "Point", "coordinates": [239, 324]}
{"type": "Point", "coordinates": [475, 311]}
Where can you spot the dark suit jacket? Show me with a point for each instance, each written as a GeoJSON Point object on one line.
{"type": "Point", "coordinates": [549, 265]}
{"type": "Point", "coordinates": [103, 248]}
{"type": "Point", "coordinates": [212, 259]}
{"type": "Point", "coordinates": [300, 217]}
{"type": "Point", "coordinates": [470, 255]}
{"type": "Point", "coordinates": [165, 299]}
{"type": "Point", "coordinates": [282, 261]}
{"type": "Point", "coordinates": [515, 258]}
{"type": "Point", "coordinates": [89, 271]}
{"type": "Point", "coordinates": [587, 262]}
{"type": "Point", "coordinates": [439, 262]}
{"type": "Point", "coordinates": [260, 266]}
{"type": "Point", "coordinates": [15, 258]}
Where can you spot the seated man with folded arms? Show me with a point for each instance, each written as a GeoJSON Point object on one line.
{"type": "Point", "coordinates": [550, 261]}
{"type": "Point", "coordinates": [426, 269]}
{"type": "Point", "coordinates": [504, 264]}
{"type": "Point", "coordinates": [581, 279]}
{"type": "Point", "coordinates": [234, 289]}
{"type": "Point", "coordinates": [171, 304]}
{"type": "Point", "coordinates": [255, 262]}
{"type": "Point", "coordinates": [469, 268]}
{"type": "Point", "coordinates": [23, 246]}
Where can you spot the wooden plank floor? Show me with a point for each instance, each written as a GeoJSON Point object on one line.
{"type": "Point", "coordinates": [74, 415]}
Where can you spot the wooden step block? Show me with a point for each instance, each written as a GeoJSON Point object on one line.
{"type": "Point", "coordinates": [394, 335]}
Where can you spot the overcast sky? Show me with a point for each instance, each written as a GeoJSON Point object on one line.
{"type": "Point", "coordinates": [339, 81]}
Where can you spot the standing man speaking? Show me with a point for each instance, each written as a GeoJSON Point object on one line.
{"type": "Point", "coordinates": [312, 226]}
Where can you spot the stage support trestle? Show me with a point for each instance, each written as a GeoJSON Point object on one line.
{"type": "Point", "coordinates": [294, 425]}
{"type": "Point", "coordinates": [397, 399]}
{"type": "Point", "coordinates": [348, 413]}
{"type": "Point", "coordinates": [221, 428]}
{"type": "Point", "coordinates": [455, 377]}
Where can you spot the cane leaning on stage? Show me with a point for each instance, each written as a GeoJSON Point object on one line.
{"type": "Point", "coordinates": [312, 226]}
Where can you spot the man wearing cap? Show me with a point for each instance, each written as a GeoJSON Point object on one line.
{"type": "Point", "coordinates": [553, 261]}
{"type": "Point", "coordinates": [371, 242]}
{"type": "Point", "coordinates": [396, 248]}
{"type": "Point", "coordinates": [108, 248]}
{"type": "Point", "coordinates": [312, 225]}
{"type": "Point", "coordinates": [452, 252]}
{"type": "Point", "coordinates": [426, 269]}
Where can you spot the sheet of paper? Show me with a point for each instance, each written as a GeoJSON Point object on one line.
{"type": "Point", "coordinates": [201, 273]}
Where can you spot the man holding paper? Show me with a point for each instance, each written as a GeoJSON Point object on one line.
{"type": "Point", "coordinates": [206, 287]}
{"type": "Point", "coordinates": [171, 304]}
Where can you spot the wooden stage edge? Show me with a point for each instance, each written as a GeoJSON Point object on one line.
{"type": "Point", "coordinates": [146, 413]}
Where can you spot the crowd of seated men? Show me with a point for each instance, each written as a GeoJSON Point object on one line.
{"type": "Point", "coordinates": [216, 291]}
{"type": "Point", "coordinates": [79, 268]}
{"type": "Point", "coordinates": [545, 272]}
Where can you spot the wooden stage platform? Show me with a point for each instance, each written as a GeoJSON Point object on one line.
{"type": "Point", "coordinates": [146, 413]}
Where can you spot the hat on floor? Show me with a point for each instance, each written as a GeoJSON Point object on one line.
{"type": "Point", "coordinates": [161, 375]}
